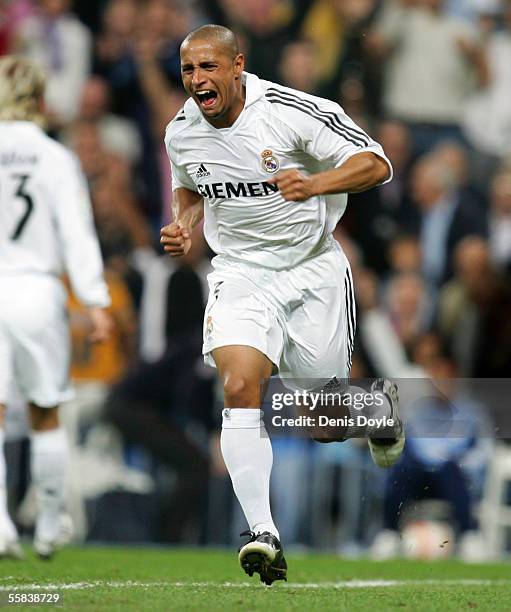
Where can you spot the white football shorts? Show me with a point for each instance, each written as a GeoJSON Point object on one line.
{"type": "Point", "coordinates": [34, 339]}
{"type": "Point", "coordinates": [302, 319]}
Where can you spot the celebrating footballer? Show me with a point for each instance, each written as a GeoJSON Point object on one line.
{"type": "Point", "coordinates": [269, 168]}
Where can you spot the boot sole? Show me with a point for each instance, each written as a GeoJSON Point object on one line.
{"type": "Point", "coordinates": [258, 559]}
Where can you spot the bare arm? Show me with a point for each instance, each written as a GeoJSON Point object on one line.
{"type": "Point", "coordinates": [475, 54]}
{"type": "Point", "coordinates": [163, 99]}
{"type": "Point", "coordinates": [188, 210]}
{"type": "Point", "coordinates": [358, 173]}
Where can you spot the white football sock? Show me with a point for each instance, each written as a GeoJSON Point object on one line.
{"type": "Point", "coordinates": [247, 453]}
{"type": "Point", "coordinates": [48, 463]}
{"type": "Point", "coordinates": [6, 525]}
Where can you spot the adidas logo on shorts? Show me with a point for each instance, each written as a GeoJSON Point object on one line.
{"type": "Point", "coordinates": [202, 172]}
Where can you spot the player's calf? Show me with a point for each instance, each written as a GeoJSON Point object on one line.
{"type": "Point", "coordinates": [352, 412]}
{"type": "Point", "coordinates": [330, 417]}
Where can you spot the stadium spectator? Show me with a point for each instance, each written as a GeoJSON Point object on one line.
{"type": "Point", "coordinates": [123, 234]}
{"type": "Point", "coordinates": [166, 402]}
{"type": "Point", "coordinates": [116, 208]}
{"type": "Point", "coordinates": [408, 306]}
{"type": "Point", "coordinates": [57, 40]}
{"type": "Point", "coordinates": [432, 61]}
{"type": "Point", "coordinates": [116, 33]}
{"type": "Point", "coordinates": [117, 134]}
{"type": "Point", "coordinates": [376, 217]}
{"type": "Point", "coordinates": [122, 229]}
{"type": "Point", "coordinates": [164, 25]}
{"type": "Point", "coordinates": [487, 116]}
{"type": "Point", "coordinates": [164, 100]}
{"type": "Point", "coordinates": [446, 216]}
{"type": "Point", "coordinates": [12, 14]}
{"type": "Point", "coordinates": [338, 29]}
{"type": "Point", "coordinates": [500, 221]}
{"type": "Point", "coordinates": [379, 336]}
{"type": "Point", "coordinates": [438, 465]}
{"type": "Point", "coordinates": [84, 139]}
{"type": "Point", "coordinates": [264, 28]}
{"type": "Point", "coordinates": [395, 137]}
{"type": "Point", "coordinates": [405, 254]}
{"type": "Point", "coordinates": [474, 313]}
{"type": "Point", "coordinates": [161, 314]}
{"type": "Point", "coordinates": [455, 158]}
{"type": "Point", "coordinates": [298, 67]}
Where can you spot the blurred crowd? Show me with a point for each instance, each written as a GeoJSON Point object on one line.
{"type": "Point", "coordinates": [430, 251]}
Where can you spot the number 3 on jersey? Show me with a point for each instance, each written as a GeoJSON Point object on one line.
{"type": "Point", "coordinates": [22, 180]}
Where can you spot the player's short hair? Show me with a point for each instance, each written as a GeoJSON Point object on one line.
{"type": "Point", "coordinates": [22, 85]}
{"type": "Point", "coordinates": [217, 32]}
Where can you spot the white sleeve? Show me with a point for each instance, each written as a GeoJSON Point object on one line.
{"type": "Point", "coordinates": [180, 178]}
{"type": "Point", "coordinates": [179, 175]}
{"type": "Point", "coordinates": [79, 243]}
{"type": "Point", "coordinates": [324, 130]}
{"type": "Point", "coordinates": [338, 138]}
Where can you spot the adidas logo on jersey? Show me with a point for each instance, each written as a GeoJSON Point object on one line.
{"type": "Point", "coordinates": [202, 172]}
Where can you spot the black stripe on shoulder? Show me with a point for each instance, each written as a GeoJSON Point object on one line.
{"type": "Point", "coordinates": [357, 135]}
{"type": "Point", "coordinates": [180, 115]}
{"type": "Point", "coordinates": [353, 129]}
{"type": "Point", "coordinates": [328, 123]}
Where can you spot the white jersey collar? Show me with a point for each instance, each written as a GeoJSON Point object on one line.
{"type": "Point", "coordinates": [254, 91]}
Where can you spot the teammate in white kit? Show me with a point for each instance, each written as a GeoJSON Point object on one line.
{"type": "Point", "coordinates": [269, 169]}
{"type": "Point", "coordinates": [46, 228]}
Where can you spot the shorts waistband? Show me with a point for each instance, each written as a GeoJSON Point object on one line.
{"type": "Point", "coordinates": [220, 261]}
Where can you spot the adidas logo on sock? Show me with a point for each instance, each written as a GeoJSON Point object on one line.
{"type": "Point", "coordinates": [202, 172]}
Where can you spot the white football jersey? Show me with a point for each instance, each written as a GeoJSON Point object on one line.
{"type": "Point", "coordinates": [46, 224]}
{"type": "Point", "coordinates": [279, 128]}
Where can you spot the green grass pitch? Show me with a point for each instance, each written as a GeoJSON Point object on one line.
{"type": "Point", "coordinates": [97, 579]}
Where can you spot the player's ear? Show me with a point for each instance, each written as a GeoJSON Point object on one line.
{"type": "Point", "coordinates": [239, 65]}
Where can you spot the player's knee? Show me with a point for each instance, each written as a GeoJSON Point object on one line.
{"type": "Point", "coordinates": [240, 392]}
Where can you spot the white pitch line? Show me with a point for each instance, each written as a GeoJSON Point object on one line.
{"type": "Point", "coordinates": [342, 584]}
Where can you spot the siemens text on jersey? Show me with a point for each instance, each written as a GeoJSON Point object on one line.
{"type": "Point", "coordinates": [236, 190]}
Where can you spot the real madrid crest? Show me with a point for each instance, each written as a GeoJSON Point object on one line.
{"type": "Point", "coordinates": [269, 162]}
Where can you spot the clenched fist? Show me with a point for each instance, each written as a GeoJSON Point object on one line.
{"type": "Point", "coordinates": [294, 185]}
{"type": "Point", "coordinates": [175, 239]}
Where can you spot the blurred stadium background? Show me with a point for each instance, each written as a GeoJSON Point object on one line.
{"type": "Point", "coordinates": [431, 253]}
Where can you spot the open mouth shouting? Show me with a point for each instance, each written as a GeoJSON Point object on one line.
{"type": "Point", "coordinates": [206, 97]}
